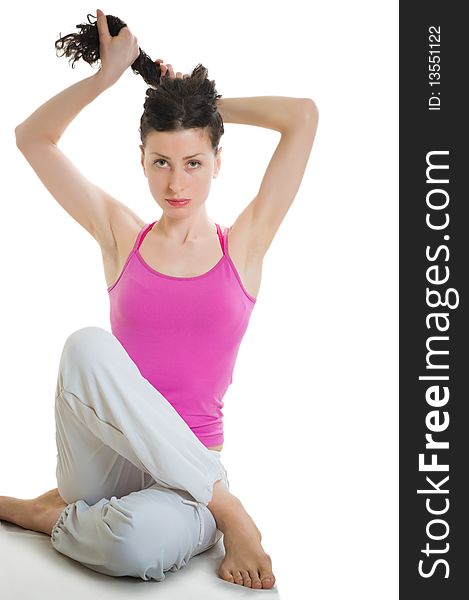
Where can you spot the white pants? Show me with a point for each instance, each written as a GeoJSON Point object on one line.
{"type": "Point", "coordinates": [136, 478]}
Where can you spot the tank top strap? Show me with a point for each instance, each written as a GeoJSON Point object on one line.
{"type": "Point", "coordinates": [221, 237]}
{"type": "Point", "coordinates": [142, 233]}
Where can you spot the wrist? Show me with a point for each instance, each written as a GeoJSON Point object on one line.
{"type": "Point", "coordinates": [105, 80]}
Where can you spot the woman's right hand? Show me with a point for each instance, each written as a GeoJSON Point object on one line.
{"type": "Point", "coordinates": [168, 71]}
{"type": "Point", "coordinates": [116, 53]}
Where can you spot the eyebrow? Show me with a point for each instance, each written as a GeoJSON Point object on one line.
{"type": "Point", "coordinates": [185, 157]}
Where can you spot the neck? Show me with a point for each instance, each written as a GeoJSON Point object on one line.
{"type": "Point", "coordinates": [185, 231]}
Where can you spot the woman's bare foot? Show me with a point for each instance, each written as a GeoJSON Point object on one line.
{"type": "Point", "coordinates": [39, 514]}
{"type": "Point", "coordinates": [245, 563]}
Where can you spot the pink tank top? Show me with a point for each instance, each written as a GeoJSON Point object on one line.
{"type": "Point", "coordinates": [183, 333]}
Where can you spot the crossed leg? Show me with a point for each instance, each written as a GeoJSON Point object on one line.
{"type": "Point", "coordinates": [125, 464]}
{"type": "Point", "coordinates": [133, 473]}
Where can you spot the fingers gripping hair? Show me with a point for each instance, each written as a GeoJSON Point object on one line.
{"type": "Point", "coordinates": [85, 45]}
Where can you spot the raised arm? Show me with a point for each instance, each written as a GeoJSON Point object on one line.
{"type": "Point", "coordinates": [296, 119]}
{"type": "Point", "coordinates": [37, 138]}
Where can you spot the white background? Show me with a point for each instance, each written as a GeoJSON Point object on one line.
{"type": "Point", "coordinates": [311, 416]}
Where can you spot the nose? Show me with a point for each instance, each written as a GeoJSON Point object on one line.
{"type": "Point", "coordinates": [176, 182]}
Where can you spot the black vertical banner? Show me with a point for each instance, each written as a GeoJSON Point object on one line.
{"type": "Point", "coordinates": [434, 358]}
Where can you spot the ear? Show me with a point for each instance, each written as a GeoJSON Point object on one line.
{"type": "Point", "coordinates": [217, 161]}
{"type": "Point", "coordinates": [142, 158]}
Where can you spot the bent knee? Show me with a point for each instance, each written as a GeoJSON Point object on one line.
{"type": "Point", "coordinates": [85, 338]}
{"type": "Point", "coordinates": [145, 545]}
{"type": "Point", "coordinates": [85, 344]}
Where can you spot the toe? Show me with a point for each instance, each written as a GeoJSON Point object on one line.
{"type": "Point", "coordinates": [267, 579]}
{"type": "Point", "coordinates": [238, 578]}
{"type": "Point", "coordinates": [246, 578]}
{"type": "Point", "coordinates": [256, 580]}
{"type": "Point", "coordinates": [226, 575]}
{"type": "Point", "coordinates": [266, 574]}
{"type": "Point", "coordinates": [267, 583]}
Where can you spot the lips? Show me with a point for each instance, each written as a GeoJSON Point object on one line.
{"type": "Point", "coordinates": [178, 201]}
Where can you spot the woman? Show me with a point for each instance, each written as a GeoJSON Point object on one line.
{"type": "Point", "coordinates": [141, 486]}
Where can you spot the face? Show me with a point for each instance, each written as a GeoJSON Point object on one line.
{"type": "Point", "coordinates": [180, 164]}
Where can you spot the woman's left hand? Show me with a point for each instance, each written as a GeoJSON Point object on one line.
{"type": "Point", "coordinates": [168, 68]}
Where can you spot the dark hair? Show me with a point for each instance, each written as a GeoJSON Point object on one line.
{"type": "Point", "coordinates": [171, 104]}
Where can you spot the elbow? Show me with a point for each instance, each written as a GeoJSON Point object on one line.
{"type": "Point", "coordinates": [309, 114]}
{"type": "Point", "coordinates": [310, 110]}
{"type": "Point", "coordinates": [19, 135]}
{"type": "Point", "coordinates": [18, 129]}
{"type": "Point", "coordinates": [304, 116]}
{"type": "Point", "coordinates": [24, 137]}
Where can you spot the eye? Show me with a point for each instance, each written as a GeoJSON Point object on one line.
{"type": "Point", "coordinates": [159, 160]}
